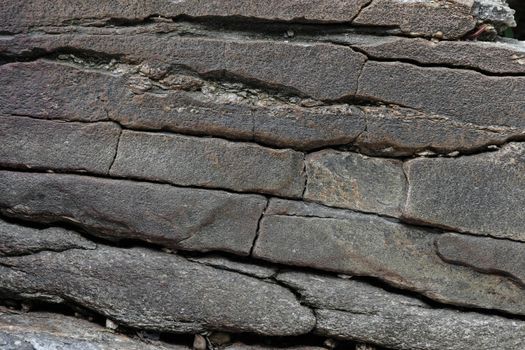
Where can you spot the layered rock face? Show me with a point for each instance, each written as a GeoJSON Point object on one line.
{"type": "Point", "coordinates": [344, 174]}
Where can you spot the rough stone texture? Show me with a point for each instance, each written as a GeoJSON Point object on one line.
{"type": "Point", "coordinates": [184, 218]}
{"type": "Point", "coordinates": [30, 143]}
{"type": "Point", "coordinates": [225, 263]}
{"type": "Point", "coordinates": [144, 289]}
{"type": "Point", "coordinates": [471, 96]}
{"type": "Point", "coordinates": [467, 194]}
{"type": "Point", "coordinates": [358, 311]}
{"type": "Point", "coordinates": [208, 162]}
{"type": "Point", "coordinates": [397, 131]}
{"type": "Point", "coordinates": [47, 331]}
{"type": "Point", "coordinates": [484, 254]}
{"type": "Point", "coordinates": [367, 245]}
{"type": "Point", "coordinates": [504, 56]}
{"type": "Point", "coordinates": [192, 112]}
{"type": "Point", "coordinates": [421, 17]}
{"type": "Point", "coordinates": [350, 180]}
{"type": "Point", "coordinates": [319, 70]}
{"type": "Point", "coordinates": [21, 17]}
{"type": "Point", "coordinates": [20, 240]}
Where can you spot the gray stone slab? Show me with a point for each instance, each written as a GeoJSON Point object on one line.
{"type": "Point", "coordinates": [366, 245]}
{"type": "Point", "coordinates": [43, 144]}
{"type": "Point", "coordinates": [484, 254]}
{"type": "Point", "coordinates": [353, 181]}
{"type": "Point", "coordinates": [47, 331]}
{"type": "Point", "coordinates": [20, 240]}
{"type": "Point", "coordinates": [148, 290]}
{"type": "Point", "coordinates": [209, 162]}
{"type": "Point", "coordinates": [357, 311]}
{"type": "Point", "coordinates": [178, 218]}
{"type": "Point", "coordinates": [482, 194]}
{"type": "Point", "coordinates": [463, 95]}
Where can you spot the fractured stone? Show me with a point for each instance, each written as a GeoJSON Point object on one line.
{"type": "Point", "coordinates": [44, 144]}
{"type": "Point", "coordinates": [177, 218]}
{"type": "Point", "coordinates": [148, 290]}
{"type": "Point", "coordinates": [357, 311]}
{"type": "Point", "coordinates": [366, 245]}
{"type": "Point", "coordinates": [208, 162]}
{"type": "Point", "coordinates": [481, 194]}
{"type": "Point", "coordinates": [463, 95]}
{"type": "Point", "coordinates": [20, 240]}
{"type": "Point", "coordinates": [353, 181]}
{"type": "Point", "coordinates": [252, 269]}
{"type": "Point", "coordinates": [453, 19]}
{"type": "Point", "coordinates": [484, 254]}
{"type": "Point", "coordinates": [42, 331]}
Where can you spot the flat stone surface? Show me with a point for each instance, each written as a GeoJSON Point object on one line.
{"type": "Point", "coordinates": [208, 162]}
{"type": "Point", "coordinates": [367, 245]}
{"type": "Point", "coordinates": [31, 143]}
{"type": "Point", "coordinates": [353, 181]}
{"type": "Point", "coordinates": [318, 70]}
{"type": "Point", "coordinates": [357, 311]}
{"type": "Point", "coordinates": [467, 194]}
{"type": "Point", "coordinates": [198, 112]}
{"type": "Point", "coordinates": [421, 17]}
{"type": "Point", "coordinates": [484, 254]}
{"type": "Point", "coordinates": [178, 218]}
{"type": "Point", "coordinates": [24, 16]}
{"type": "Point", "coordinates": [463, 95]}
{"type": "Point", "coordinates": [47, 331]}
{"type": "Point", "coordinates": [20, 240]}
{"type": "Point", "coordinates": [148, 290]}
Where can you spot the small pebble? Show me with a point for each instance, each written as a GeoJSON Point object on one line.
{"type": "Point", "coordinates": [110, 324]}
{"type": "Point", "coordinates": [220, 338]}
{"type": "Point", "coordinates": [330, 343]}
{"type": "Point", "coordinates": [453, 154]}
{"type": "Point", "coordinates": [199, 343]}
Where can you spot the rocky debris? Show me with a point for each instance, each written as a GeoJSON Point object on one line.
{"type": "Point", "coordinates": [350, 309]}
{"type": "Point", "coordinates": [505, 56]}
{"type": "Point", "coordinates": [350, 180]}
{"type": "Point", "coordinates": [484, 254]}
{"type": "Point", "coordinates": [31, 143]}
{"type": "Point", "coordinates": [448, 19]}
{"type": "Point", "coordinates": [466, 194]}
{"type": "Point", "coordinates": [226, 263]}
{"type": "Point", "coordinates": [367, 245]}
{"type": "Point", "coordinates": [463, 95]}
{"type": "Point", "coordinates": [41, 331]}
{"type": "Point", "coordinates": [147, 290]}
{"type": "Point", "coordinates": [496, 12]}
{"type": "Point", "coordinates": [177, 218]}
{"type": "Point", "coordinates": [21, 240]}
{"type": "Point", "coordinates": [209, 162]}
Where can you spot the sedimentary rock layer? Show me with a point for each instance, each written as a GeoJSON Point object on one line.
{"type": "Point", "coordinates": [192, 219]}
{"type": "Point", "coordinates": [355, 310]}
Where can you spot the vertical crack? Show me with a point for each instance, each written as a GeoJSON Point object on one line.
{"type": "Point", "coordinates": [116, 151]}
{"type": "Point", "coordinates": [257, 231]}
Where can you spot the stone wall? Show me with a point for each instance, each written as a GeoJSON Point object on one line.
{"type": "Point", "coordinates": [230, 174]}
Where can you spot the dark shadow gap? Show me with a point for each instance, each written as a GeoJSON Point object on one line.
{"type": "Point", "coordinates": [519, 7]}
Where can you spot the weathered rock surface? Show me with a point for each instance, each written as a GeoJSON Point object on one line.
{"type": "Point", "coordinates": [484, 254]}
{"type": "Point", "coordinates": [184, 218]}
{"type": "Point", "coordinates": [148, 290]}
{"type": "Point", "coordinates": [191, 112]}
{"type": "Point", "coordinates": [453, 19]}
{"type": "Point", "coordinates": [319, 70]}
{"type": "Point", "coordinates": [350, 180]}
{"type": "Point", "coordinates": [467, 194]}
{"type": "Point", "coordinates": [358, 311]}
{"type": "Point", "coordinates": [463, 95]}
{"type": "Point", "coordinates": [367, 245]}
{"type": "Point", "coordinates": [253, 269]}
{"type": "Point", "coordinates": [47, 331]}
{"type": "Point", "coordinates": [209, 162]}
{"type": "Point", "coordinates": [20, 240]}
{"type": "Point", "coordinates": [504, 56]}
{"type": "Point", "coordinates": [24, 16]}
{"type": "Point", "coordinates": [31, 143]}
